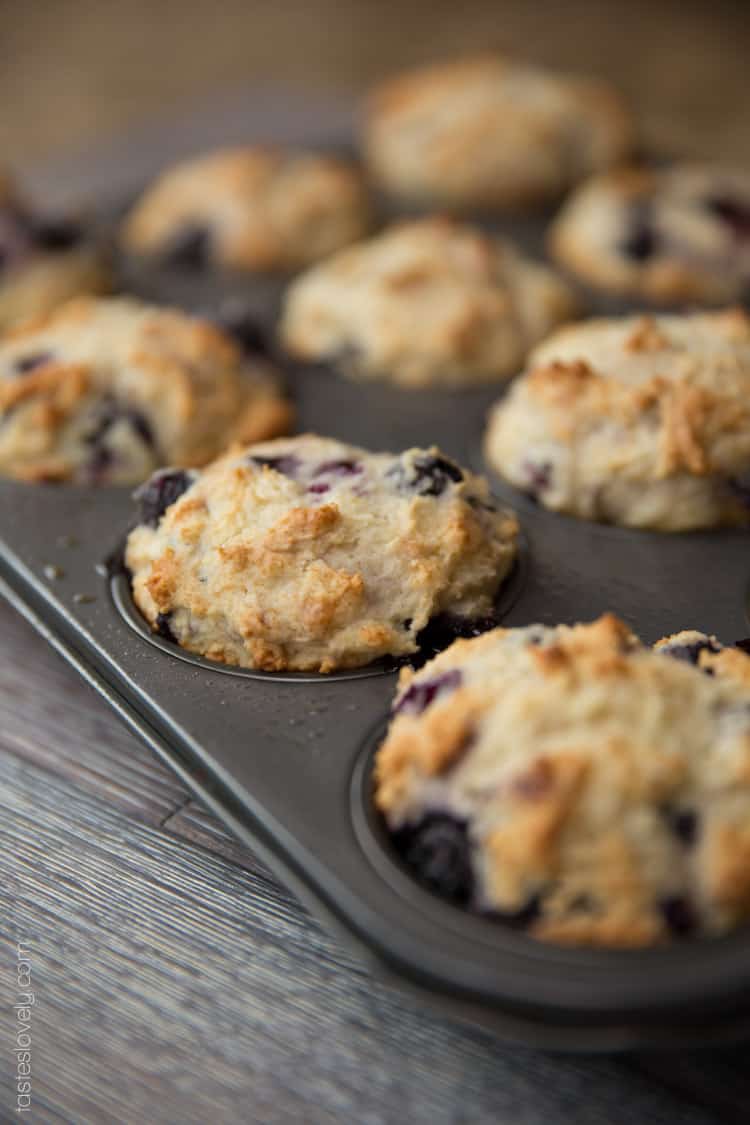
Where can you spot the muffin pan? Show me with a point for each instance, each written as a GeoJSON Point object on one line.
{"type": "Point", "coordinates": [285, 759]}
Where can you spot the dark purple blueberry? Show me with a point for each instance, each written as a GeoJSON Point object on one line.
{"type": "Point", "coordinates": [342, 468]}
{"type": "Point", "coordinates": [684, 823]}
{"type": "Point", "coordinates": [287, 464]}
{"type": "Point", "coordinates": [537, 476]}
{"type": "Point", "coordinates": [641, 242]}
{"type": "Point", "coordinates": [640, 245]}
{"type": "Point", "coordinates": [679, 915]}
{"type": "Point", "coordinates": [439, 853]}
{"type": "Point", "coordinates": [139, 423]}
{"type": "Point", "coordinates": [27, 363]}
{"type": "Point", "coordinates": [425, 474]}
{"type": "Point", "coordinates": [518, 919]}
{"type": "Point", "coordinates": [56, 235]}
{"type": "Point", "coordinates": [690, 653]}
{"type": "Point", "coordinates": [731, 211]}
{"type": "Point", "coordinates": [240, 323]}
{"type": "Point", "coordinates": [420, 694]}
{"type": "Point", "coordinates": [443, 629]}
{"type": "Point", "coordinates": [743, 645]}
{"type": "Point", "coordinates": [109, 414]}
{"type": "Point", "coordinates": [319, 489]}
{"type": "Point", "coordinates": [159, 492]}
{"type": "Point", "coordinates": [98, 465]}
{"type": "Point", "coordinates": [162, 627]}
{"type": "Point", "coordinates": [190, 248]}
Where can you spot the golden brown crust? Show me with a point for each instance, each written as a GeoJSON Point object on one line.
{"type": "Point", "coordinates": [491, 132]}
{"type": "Point", "coordinates": [686, 248]}
{"type": "Point", "coordinates": [261, 208]}
{"type": "Point", "coordinates": [332, 560]}
{"type": "Point", "coordinates": [642, 421]}
{"type": "Point", "coordinates": [114, 388]}
{"type": "Point", "coordinates": [605, 788]}
{"type": "Point", "coordinates": [428, 302]}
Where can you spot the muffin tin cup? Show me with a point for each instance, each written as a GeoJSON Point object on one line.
{"type": "Point", "coordinates": [286, 759]}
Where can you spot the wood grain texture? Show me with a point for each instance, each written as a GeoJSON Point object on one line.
{"type": "Point", "coordinates": [194, 823]}
{"type": "Point", "coordinates": [174, 986]}
{"type": "Point", "coordinates": [52, 719]}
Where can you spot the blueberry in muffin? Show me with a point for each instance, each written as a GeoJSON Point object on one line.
{"type": "Point", "coordinates": [105, 390]}
{"type": "Point", "coordinates": [673, 235]}
{"type": "Point", "coordinates": [252, 208]}
{"type": "Point", "coordinates": [307, 554]}
{"type": "Point", "coordinates": [642, 421]}
{"type": "Point", "coordinates": [576, 784]}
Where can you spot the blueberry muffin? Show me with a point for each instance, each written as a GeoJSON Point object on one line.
{"type": "Point", "coordinates": [430, 302]}
{"type": "Point", "coordinates": [103, 391]}
{"type": "Point", "coordinates": [576, 784]}
{"type": "Point", "coordinates": [491, 132]}
{"type": "Point", "coordinates": [253, 208]}
{"type": "Point", "coordinates": [307, 554]}
{"type": "Point", "coordinates": [44, 260]}
{"type": "Point", "coordinates": [640, 421]}
{"type": "Point", "coordinates": [669, 236]}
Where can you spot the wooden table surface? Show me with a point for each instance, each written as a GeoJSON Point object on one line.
{"type": "Point", "coordinates": [174, 980]}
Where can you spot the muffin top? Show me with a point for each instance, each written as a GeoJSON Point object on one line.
{"type": "Point", "coordinates": [428, 302]}
{"type": "Point", "coordinates": [575, 783]}
{"type": "Point", "coordinates": [643, 421]}
{"type": "Point", "coordinates": [44, 259]}
{"type": "Point", "coordinates": [308, 554]}
{"type": "Point", "coordinates": [491, 132]}
{"type": "Point", "coordinates": [103, 391]}
{"type": "Point", "coordinates": [668, 235]}
{"type": "Point", "coordinates": [251, 208]}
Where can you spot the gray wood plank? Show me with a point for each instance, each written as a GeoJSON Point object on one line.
{"type": "Point", "coordinates": [195, 823]}
{"type": "Point", "coordinates": [50, 717]}
{"type": "Point", "coordinates": [175, 986]}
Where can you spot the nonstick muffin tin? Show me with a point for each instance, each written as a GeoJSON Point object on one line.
{"type": "Point", "coordinates": [285, 759]}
